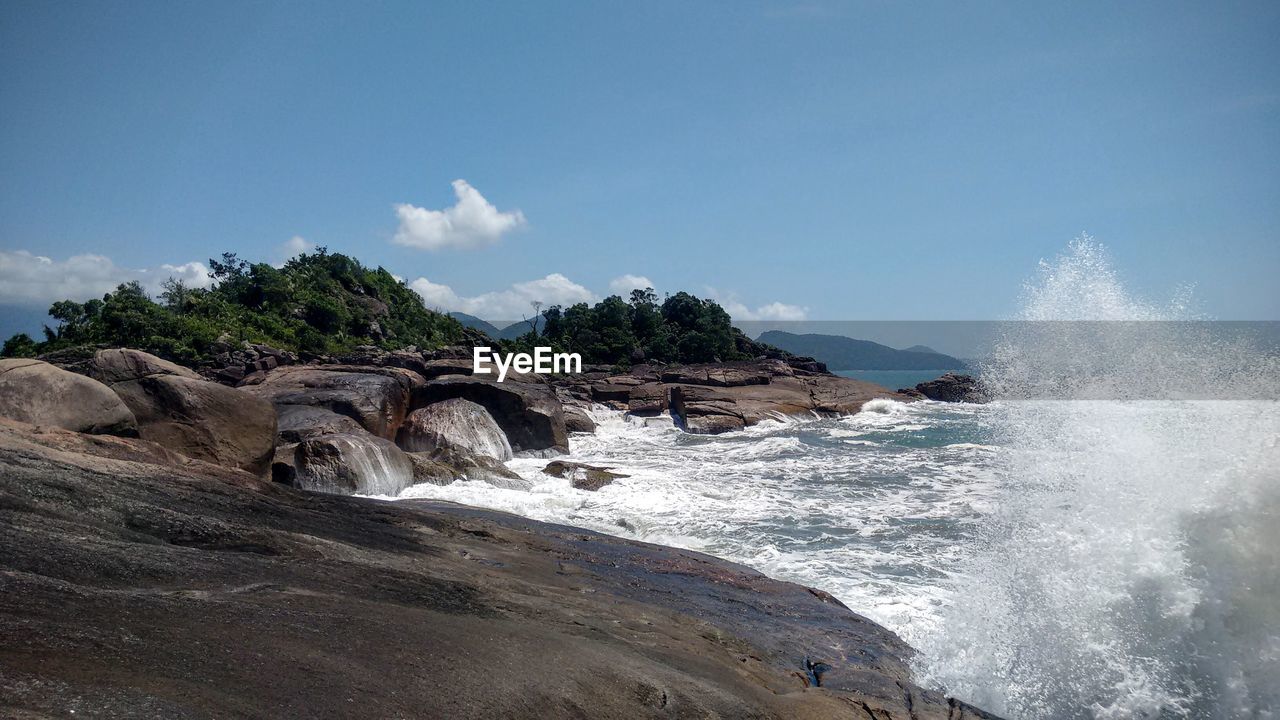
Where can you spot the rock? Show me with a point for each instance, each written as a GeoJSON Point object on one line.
{"type": "Point", "coordinates": [430, 471]}
{"type": "Point", "coordinates": [712, 424]}
{"type": "Point", "coordinates": [139, 590]}
{"type": "Point", "coordinates": [454, 423]}
{"type": "Point", "coordinates": [295, 423]}
{"type": "Point", "coordinates": [461, 464]}
{"type": "Point", "coordinates": [447, 366]}
{"type": "Point", "coordinates": [36, 392]}
{"type": "Point", "coordinates": [716, 375]}
{"type": "Point", "coordinates": [952, 388]}
{"type": "Point", "coordinates": [611, 393]}
{"type": "Point", "coordinates": [729, 396]}
{"type": "Point", "coordinates": [123, 364]}
{"type": "Point", "coordinates": [647, 400]}
{"type": "Point", "coordinates": [352, 464]}
{"type": "Point", "coordinates": [581, 475]}
{"type": "Point", "coordinates": [376, 397]}
{"type": "Point", "coordinates": [180, 410]}
{"type": "Point", "coordinates": [578, 420]}
{"type": "Point", "coordinates": [530, 415]}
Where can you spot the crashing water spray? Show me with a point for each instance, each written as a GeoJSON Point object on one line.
{"type": "Point", "coordinates": [1128, 567]}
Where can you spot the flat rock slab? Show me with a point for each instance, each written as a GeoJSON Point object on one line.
{"type": "Point", "coordinates": [130, 589]}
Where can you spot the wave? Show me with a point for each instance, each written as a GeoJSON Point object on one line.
{"type": "Point", "coordinates": [1121, 571]}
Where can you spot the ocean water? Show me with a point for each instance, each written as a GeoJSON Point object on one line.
{"type": "Point", "coordinates": [894, 379]}
{"type": "Point", "coordinates": [1088, 545]}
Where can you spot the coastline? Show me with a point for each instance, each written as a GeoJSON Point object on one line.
{"type": "Point", "coordinates": [136, 588]}
{"type": "Point", "coordinates": [140, 541]}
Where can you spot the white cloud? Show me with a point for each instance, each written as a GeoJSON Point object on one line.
{"type": "Point", "coordinates": [771, 311]}
{"type": "Point", "coordinates": [471, 222]}
{"type": "Point", "coordinates": [624, 284]}
{"type": "Point", "coordinates": [295, 246]}
{"type": "Point", "coordinates": [34, 279]}
{"type": "Point", "coordinates": [510, 304]}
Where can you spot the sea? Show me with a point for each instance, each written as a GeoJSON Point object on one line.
{"type": "Point", "coordinates": [1096, 547]}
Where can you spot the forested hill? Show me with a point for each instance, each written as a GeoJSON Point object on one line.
{"type": "Point", "coordinates": [845, 353]}
{"type": "Point", "coordinates": [317, 303]}
{"type": "Point", "coordinates": [324, 303]}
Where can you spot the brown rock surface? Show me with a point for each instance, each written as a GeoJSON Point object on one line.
{"type": "Point", "coordinates": [36, 392]}
{"type": "Point", "coordinates": [180, 410]}
{"type": "Point", "coordinates": [530, 414]}
{"type": "Point", "coordinates": [376, 397]}
{"type": "Point", "coordinates": [131, 589]}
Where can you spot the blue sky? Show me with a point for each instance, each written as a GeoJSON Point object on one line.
{"type": "Point", "coordinates": [828, 160]}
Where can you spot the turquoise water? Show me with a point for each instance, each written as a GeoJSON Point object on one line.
{"type": "Point", "coordinates": [895, 379]}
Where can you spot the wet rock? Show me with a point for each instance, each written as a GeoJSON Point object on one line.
{"type": "Point", "coordinates": [459, 464]}
{"type": "Point", "coordinates": [952, 387]}
{"type": "Point", "coordinates": [578, 420]}
{"type": "Point", "coordinates": [581, 475]}
{"type": "Point", "coordinates": [530, 414]}
{"type": "Point", "coordinates": [456, 423]}
{"type": "Point", "coordinates": [351, 463]}
{"type": "Point", "coordinates": [712, 409]}
{"type": "Point", "coordinates": [182, 411]}
{"type": "Point", "coordinates": [36, 392]}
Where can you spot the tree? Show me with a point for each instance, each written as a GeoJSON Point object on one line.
{"type": "Point", "coordinates": [19, 346]}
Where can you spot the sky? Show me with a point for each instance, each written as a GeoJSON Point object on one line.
{"type": "Point", "coordinates": [815, 160]}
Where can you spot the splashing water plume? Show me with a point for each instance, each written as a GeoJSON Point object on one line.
{"type": "Point", "coordinates": [1128, 565]}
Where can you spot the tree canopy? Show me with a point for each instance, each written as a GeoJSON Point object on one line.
{"type": "Point", "coordinates": [327, 303]}
{"type": "Point", "coordinates": [318, 302]}
{"type": "Point", "coordinates": [680, 329]}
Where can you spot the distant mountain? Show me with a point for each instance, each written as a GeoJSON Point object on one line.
{"type": "Point", "coordinates": [475, 323]}
{"type": "Point", "coordinates": [919, 349]}
{"type": "Point", "coordinates": [844, 353]}
{"type": "Point", "coordinates": [514, 330]}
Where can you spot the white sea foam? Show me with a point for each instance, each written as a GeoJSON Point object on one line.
{"type": "Point", "coordinates": [1050, 558]}
{"type": "Point", "coordinates": [845, 504]}
{"type": "Point", "coordinates": [1120, 571]}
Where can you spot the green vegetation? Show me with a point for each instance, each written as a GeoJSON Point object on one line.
{"type": "Point", "coordinates": [682, 329]}
{"type": "Point", "coordinates": [327, 303]}
{"type": "Point", "coordinates": [318, 303]}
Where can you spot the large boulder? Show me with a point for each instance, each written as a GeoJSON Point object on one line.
{"type": "Point", "coordinates": [455, 423]}
{"type": "Point", "coordinates": [123, 364]}
{"type": "Point", "coordinates": [951, 388]}
{"type": "Point", "coordinates": [36, 392]}
{"type": "Point", "coordinates": [180, 410]}
{"type": "Point", "coordinates": [350, 464]}
{"type": "Point", "coordinates": [296, 423]}
{"type": "Point", "coordinates": [530, 414]}
{"type": "Point", "coordinates": [376, 397]}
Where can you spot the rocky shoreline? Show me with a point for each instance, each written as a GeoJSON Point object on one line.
{"type": "Point", "coordinates": [169, 556]}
